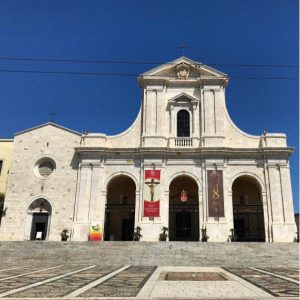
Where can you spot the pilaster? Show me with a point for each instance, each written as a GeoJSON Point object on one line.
{"type": "Point", "coordinates": [84, 193]}
{"type": "Point", "coordinates": [213, 118]}
{"type": "Point", "coordinates": [94, 211]}
{"type": "Point", "coordinates": [275, 194]}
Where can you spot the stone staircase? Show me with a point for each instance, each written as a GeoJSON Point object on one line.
{"type": "Point", "coordinates": [150, 253]}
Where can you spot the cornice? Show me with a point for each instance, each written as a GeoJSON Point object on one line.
{"type": "Point", "coordinates": [218, 151]}
{"type": "Point", "coordinates": [193, 81]}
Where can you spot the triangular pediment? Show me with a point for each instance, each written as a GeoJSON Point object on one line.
{"type": "Point", "coordinates": [184, 68]}
{"type": "Point", "coordinates": [49, 124]}
{"type": "Point", "coordinates": [183, 98]}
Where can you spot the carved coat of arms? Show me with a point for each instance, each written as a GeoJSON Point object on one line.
{"type": "Point", "coordinates": [183, 71]}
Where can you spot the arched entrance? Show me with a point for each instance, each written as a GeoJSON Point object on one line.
{"type": "Point", "coordinates": [40, 212]}
{"type": "Point", "coordinates": [120, 209]}
{"type": "Point", "coordinates": [183, 215]}
{"type": "Point", "coordinates": [248, 216]}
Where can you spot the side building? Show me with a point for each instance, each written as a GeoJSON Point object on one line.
{"type": "Point", "coordinates": [183, 164]}
{"type": "Point", "coordinates": [6, 149]}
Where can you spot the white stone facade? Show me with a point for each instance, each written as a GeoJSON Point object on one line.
{"type": "Point", "coordinates": [85, 164]}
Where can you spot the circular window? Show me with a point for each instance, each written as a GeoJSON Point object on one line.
{"type": "Point", "coordinates": [44, 167]}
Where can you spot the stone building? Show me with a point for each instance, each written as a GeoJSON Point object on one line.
{"type": "Point", "coordinates": [6, 148]}
{"type": "Point", "coordinates": [183, 164]}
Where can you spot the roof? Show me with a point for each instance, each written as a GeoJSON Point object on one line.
{"type": "Point", "coordinates": [189, 61]}
{"type": "Point", "coordinates": [48, 124]}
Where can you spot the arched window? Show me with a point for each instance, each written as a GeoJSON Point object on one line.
{"type": "Point", "coordinates": [183, 123]}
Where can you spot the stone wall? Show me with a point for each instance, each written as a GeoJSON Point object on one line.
{"type": "Point", "coordinates": [25, 186]}
{"type": "Point", "coordinates": [6, 149]}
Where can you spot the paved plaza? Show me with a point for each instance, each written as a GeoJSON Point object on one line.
{"type": "Point", "coordinates": [146, 282]}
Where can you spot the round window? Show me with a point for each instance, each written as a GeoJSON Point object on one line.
{"type": "Point", "coordinates": [44, 167]}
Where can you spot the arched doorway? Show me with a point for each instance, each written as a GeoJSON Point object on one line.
{"type": "Point", "coordinates": [40, 212]}
{"type": "Point", "coordinates": [248, 216]}
{"type": "Point", "coordinates": [183, 215]}
{"type": "Point", "coordinates": [120, 209]}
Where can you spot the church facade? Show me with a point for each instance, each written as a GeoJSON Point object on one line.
{"type": "Point", "coordinates": [182, 172]}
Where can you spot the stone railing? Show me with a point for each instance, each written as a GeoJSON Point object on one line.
{"type": "Point", "coordinates": [183, 142]}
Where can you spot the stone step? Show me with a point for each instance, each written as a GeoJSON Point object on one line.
{"type": "Point", "coordinates": [151, 253]}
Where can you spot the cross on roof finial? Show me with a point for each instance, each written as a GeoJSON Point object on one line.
{"type": "Point", "coordinates": [52, 114]}
{"type": "Point", "coordinates": [183, 48]}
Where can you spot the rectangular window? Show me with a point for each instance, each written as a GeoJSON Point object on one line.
{"type": "Point", "coordinates": [1, 164]}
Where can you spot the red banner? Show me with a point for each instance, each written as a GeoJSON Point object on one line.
{"type": "Point", "coordinates": [151, 209]}
{"type": "Point", "coordinates": [152, 193]}
{"type": "Point", "coordinates": [155, 174]}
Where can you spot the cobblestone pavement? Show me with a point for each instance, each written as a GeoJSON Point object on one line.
{"type": "Point", "coordinates": [66, 285]}
{"type": "Point", "coordinates": [14, 283]}
{"type": "Point", "coordinates": [88, 281]}
{"type": "Point", "coordinates": [126, 284]}
{"type": "Point", "coordinates": [275, 286]}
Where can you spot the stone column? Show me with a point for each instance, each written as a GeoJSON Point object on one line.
{"type": "Point", "coordinates": [102, 204]}
{"type": "Point", "coordinates": [275, 194]}
{"type": "Point", "coordinates": [266, 216]}
{"type": "Point", "coordinates": [287, 194]}
{"type": "Point", "coordinates": [82, 204]}
{"type": "Point", "coordinates": [84, 193]}
{"type": "Point", "coordinates": [204, 196]}
{"type": "Point", "coordinates": [29, 216]}
{"type": "Point", "coordinates": [145, 117]}
{"type": "Point", "coordinates": [280, 232]}
{"type": "Point", "coordinates": [287, 204]}
{"type": "Point", "coordinates": [269, 206]}
{"type": "Point", "coordinates": [196, 123]}
{"type": "Point", "coordinates": [172, 121]}
{"type": "Point", "coordinates": [140, 195]}
{"type": "Point", "coordinates": [213, 115]}
{"type": "Point", "coordinates": [219, 112]}
{"type": "Point", "coordinates": [200, 211]}
{"type": "Point", "coordinates": [209, 111]}
{"type": "Point", "coordinates": [229, 210]}
{"type": "Point", "coordinates": [95, 207]}
{"type": "Point", "coordinates": [150, 112]}
{"type": "Point", "coordinates": [137, 216]}
{"type": "Point", "coordinates": [166, 208]}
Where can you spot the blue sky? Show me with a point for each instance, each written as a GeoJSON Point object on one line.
{"type": "Point", "coordinates": [217, 32]}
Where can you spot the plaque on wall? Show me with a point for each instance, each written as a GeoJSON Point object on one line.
{"type": "Point", "coordinates": [152, 193]}
{"type": "Point", "coordinates": [215, 194]}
